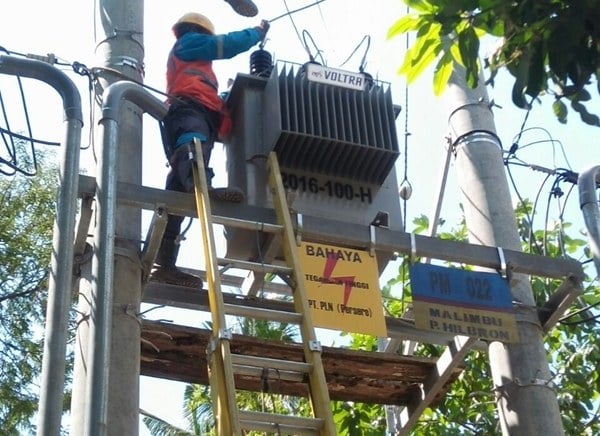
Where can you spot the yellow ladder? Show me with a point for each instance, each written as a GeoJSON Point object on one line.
{"type": "Point", "coordinates": [222, 363]}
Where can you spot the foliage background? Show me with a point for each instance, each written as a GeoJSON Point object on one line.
{"type": "Point", "coordinates": [26, 222]}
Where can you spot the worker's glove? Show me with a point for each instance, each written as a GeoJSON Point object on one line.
{"type": "Point", "coordinates": [263, 28]}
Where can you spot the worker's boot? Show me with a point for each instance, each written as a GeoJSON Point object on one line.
{"type": "Point", "coordinates": [245, 8]}
{"type": "Point", "coordinates": [233, 195]}
{"type": "Point", "coordinates": [165, 271]}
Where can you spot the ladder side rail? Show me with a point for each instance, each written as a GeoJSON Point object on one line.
{"type": "Point", "coordinates": [319, 392]}
{"type": "Point", "coordinates": [221, 379]}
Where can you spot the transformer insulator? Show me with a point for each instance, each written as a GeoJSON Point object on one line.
{"type": "Point", "coordinates": [369, 80]}
{"type": "Point", "coordinates": [261, 63]}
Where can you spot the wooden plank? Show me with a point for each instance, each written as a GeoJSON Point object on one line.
{"type": "Point", "coordinates": [178, 353]}
{"type": "Point", "coordinates": [559, 302]}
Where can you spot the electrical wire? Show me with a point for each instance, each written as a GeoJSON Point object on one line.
{"type": "Point", "coordinates": [564, 319]}
{"type": "Point", "coordinates": [555, 192]}
{"type": "Point", "coordinates": [295, 10]}
{"type": "Point", "coordinates": [301, 38]}
{"type": "Point", "coordinates": [522, 129]}
{"type": "Point", "coordinates": [9, 148]}
{"type": "Point", "coordinates": [319, 52]}
{"type": "Point", "coordinates": [532, 239]}
{"type": "Point", "coordinates": [77, 67]}
{"type": "Point", "coordinates": [550, 140]}
{"type": "Point", "coordinates": [594, 318]}
{"type": "Point", "coordinates": [28, 138]}
{"type": "Point", "coordinates": [361, 68]}
{"type": "Point", "coordinates": [405, 180]}
{"type": "Point", "coordinates": [405, 263]}
{"type": "Point", "coordinates": [185, 230]}
{"type": "Point", "coordinates": [560, 173]}
{"type": "Point", "coordinates": [289, 14]}
{"type": "Point", "coordinates": [13, 163]}
{"type": "Point", "coordinates": [561, 214]}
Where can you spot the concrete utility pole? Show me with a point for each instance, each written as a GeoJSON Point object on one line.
{"type": "Point", "coordinates": [526, 401]}
{"type": "Point", "coordinates": [107, 362]}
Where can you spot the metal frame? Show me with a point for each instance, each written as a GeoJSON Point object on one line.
{"type": "Point", "coordinates": [378, 239]}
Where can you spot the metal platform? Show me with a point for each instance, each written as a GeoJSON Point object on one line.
{"type": "Point", "coordinates": [177, 352]}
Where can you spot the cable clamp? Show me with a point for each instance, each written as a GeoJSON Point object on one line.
{"type": "Point", "coordinates": [315, 346]}
{"type": "Point", "coordinates": [225, 334]}
{"type": "Point", "coordinates": [213, 343]}
{"type": "Point", "coordinates": [372, 240]}
{"type": "Point", "coordinates": [503, 268]}
{"type": "Point", "coordinates": [413, 248]}
{"type": "Point", "coordinates": [299, 227]}
{"type": "Point", "coordinates": [128, 61]}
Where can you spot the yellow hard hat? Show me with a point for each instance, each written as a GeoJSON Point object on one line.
{"type": "Point", "coordinates": [199, 19]}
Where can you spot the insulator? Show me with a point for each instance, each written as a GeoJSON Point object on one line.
{"type": "Point", "coordinates": [368, 80]}
{"type": "Point", "coordinates": [261, 63]}
{"type": "Point", "coordinates": [405, 191]}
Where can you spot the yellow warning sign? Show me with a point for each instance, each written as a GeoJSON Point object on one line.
{"type": "Point", "coordinates": [343, 288]}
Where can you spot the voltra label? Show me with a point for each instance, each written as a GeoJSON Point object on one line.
{"type": "Point", "coordinates": [332, 76]}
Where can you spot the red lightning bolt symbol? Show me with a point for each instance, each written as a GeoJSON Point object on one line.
{"type": "Point", "coordinates": [347, 281]}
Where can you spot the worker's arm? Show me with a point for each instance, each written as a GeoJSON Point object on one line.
{"type": "Point", "coordinates": [198, 46]}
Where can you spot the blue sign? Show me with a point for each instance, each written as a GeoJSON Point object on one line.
{"type": "Point", "coordinates": [458, 287]}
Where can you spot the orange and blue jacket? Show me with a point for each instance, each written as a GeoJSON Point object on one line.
{"type": "Point", "coordinates": [189, 68]}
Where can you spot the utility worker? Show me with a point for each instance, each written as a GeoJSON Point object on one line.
{"type": "Point", "coordinates": [195, 112]}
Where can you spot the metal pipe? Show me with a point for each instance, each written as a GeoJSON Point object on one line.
{"type": "Point", "coordinates": [102, 284]}
{"type": "Point", "coordinates": [97, 381]}
{"type": "Point", "coordinates": [60, 283]}
{"type": "Point", "coordinates": [588, 202]}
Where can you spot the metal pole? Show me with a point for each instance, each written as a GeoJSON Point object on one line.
{"type": "Point", "coordinates": [102, 264]}
{"type": "Point", "coordinates": [60, 283]}
{"type": "Point", "coordinates": [527, 404]}
{"type": "Point", "coordinates": [106, 376]}
{"type": "Point", "coordinates": [102, 286]}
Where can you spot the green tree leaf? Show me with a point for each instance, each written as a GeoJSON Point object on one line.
{"type": "Point", "coordinates": [560, 110]}
{"type": "Point", "coordinates": [468, 46]}
{"type": "Point", "coordinates": [442, 73]}
{"type": "Point", "coordinates": [536, 77]}
{"type": "Point", "coordinates": [586, 117]}
{"type": "Point", "coordinates": [406, 24]}
{"type": "Point", "coordinates": [552, 40]}
{"type": "Point", "coordinates": [26, 224]}
{"type": "Point", "coordinates": [421, 6]}
{"type": "Point", "coordinates": [422, 54]}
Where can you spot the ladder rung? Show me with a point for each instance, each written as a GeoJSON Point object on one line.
{"type": "Point", "coordinates": [254, 266]}
{"type": "Point", "coordinates": [269, 374]}
{"type": "Point", "coordinates": [266, 362]}
{"type": "Point", "coordinates": [248, 225]}
{"type": "Point", "coordinates": [286, 424]}
{"type": "Point", "coordinates": [265, 314]}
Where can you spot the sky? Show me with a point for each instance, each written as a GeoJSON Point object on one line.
{"type": "Point", "coordinates": [335, 28]}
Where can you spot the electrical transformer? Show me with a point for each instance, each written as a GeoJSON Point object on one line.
{"type": "Point", "coordinates": [335, 138]}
